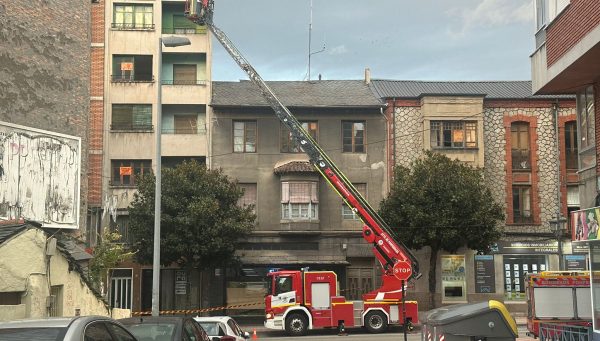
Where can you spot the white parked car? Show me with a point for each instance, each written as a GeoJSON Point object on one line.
{"type": "Point", "coordinates": [218, 326]}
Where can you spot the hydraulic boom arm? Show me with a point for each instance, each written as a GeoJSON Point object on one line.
{"type": "Point", "coordinates": [398, 263]}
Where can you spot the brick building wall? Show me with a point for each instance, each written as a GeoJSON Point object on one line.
{"type": "Point", "coordinates": [578, 19]}
{"type": "Point", "coordinates": [44, 73]}
{"type": "Point", "coordinates": [96, 104]}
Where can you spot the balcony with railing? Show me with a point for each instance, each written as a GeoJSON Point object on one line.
{"type": "Point", "coordinates": [521, 160]}
{"type": "Point", "coordinates": [132, 78]}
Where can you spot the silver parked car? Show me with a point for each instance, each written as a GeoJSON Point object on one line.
{"type": "Point", "coordinates": [78, 328]}
{"type": "Point", "coordinates": [222, 326]}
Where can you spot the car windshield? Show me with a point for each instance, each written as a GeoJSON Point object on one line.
{"type": "Point", "coordinates": [211, 328]}
{"type": "Point", "coordinates": [153, 332]}
{"type": "Point", "coordinates": [27, 334]}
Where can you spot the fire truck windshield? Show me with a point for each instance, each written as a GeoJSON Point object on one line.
{"type": "Point", "coordinates": [283, 284]}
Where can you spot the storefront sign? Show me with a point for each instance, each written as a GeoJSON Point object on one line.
{"type": "Point", "coordinates": [180, 283]}
{"type": "Point", "coordinates": [575, 262]}
{"type": "Point", "coordinates": [526, 248]}
{"type": "Point", "coordinates": [485, 277]}
{"type": "Point", "coordinates": [584, 224]}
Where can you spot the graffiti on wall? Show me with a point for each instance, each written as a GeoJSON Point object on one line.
{"type": "Point", "coordinates": [39, 176]}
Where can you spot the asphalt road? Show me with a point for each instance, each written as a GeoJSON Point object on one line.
{"type": "Point", "coordinates": [353, 334]}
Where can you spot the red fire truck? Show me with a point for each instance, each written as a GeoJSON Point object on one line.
{"type": "Point", "coordinates": [302, 300]}
{"type": "Point", "coordinates": [558, 297]}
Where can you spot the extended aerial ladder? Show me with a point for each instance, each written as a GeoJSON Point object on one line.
{"type": "Point", "coordinates": [397, 262]}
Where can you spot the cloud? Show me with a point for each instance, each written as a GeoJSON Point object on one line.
{"type": "Point", "coordinates": [337, 50]}
{"type": "Point", "coordinates": [491, 13]}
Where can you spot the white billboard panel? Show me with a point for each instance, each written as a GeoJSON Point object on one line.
{"type": "Point", "coordinates": [39, 176]}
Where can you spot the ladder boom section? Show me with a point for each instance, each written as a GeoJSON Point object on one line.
{"type": "Point", "coordinates": [386, 246]}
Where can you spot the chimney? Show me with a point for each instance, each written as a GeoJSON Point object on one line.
{"type": "Point", "coordinates": [367, 76]}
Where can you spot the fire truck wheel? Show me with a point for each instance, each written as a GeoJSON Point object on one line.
{"type": "Point", "coordinates": [376, 322]}
{"type": "Point", "coordinates": [296, 324]}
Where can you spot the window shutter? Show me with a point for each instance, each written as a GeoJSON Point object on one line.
{"type": "Point", "coordinates": [300, 192]}
{"type": "Point", "coordinates": [314, 192]}
{"type": "Point", "coordinates": [285, 192]}
{"type": "Point", "coordinates": [184, 73]}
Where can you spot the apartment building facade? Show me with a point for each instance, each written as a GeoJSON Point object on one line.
{"type": "Point", "coordinates": [301, 222]}
{"type": "Point", "coordinates": [132, 78]}
{"type": "Point", "coordinates": [501, 128]}
{"type": "Point", "coordinates": [566, 61]}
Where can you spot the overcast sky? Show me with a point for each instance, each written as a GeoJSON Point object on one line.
{"type": "Point", "coordinates": [397, 39]}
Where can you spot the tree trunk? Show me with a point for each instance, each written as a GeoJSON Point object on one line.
{"type": "Point", "coordinates": [432, 276]}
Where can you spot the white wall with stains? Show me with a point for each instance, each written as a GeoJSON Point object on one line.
{"type": "Point", "coordinates": [33, 276]}
{"type": "Point", "coordinates": [39, 176]}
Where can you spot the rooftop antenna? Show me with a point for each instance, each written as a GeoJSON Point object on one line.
{"type": "Point", "coordinates": [310, 39]}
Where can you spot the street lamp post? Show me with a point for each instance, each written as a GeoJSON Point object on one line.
{"type": "Point", "coordinates": [171, 41]}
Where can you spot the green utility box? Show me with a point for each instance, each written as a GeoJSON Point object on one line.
{"type": "Point", "coordinates": [484, 321]}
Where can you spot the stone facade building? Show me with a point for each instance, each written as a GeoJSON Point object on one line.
{"type": "Point", "coordinates": [512, 135]}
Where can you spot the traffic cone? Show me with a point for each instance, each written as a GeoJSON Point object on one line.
{"type": "Point", "coordinates": [254, 336]}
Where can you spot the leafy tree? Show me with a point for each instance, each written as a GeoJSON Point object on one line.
{"type": "Point", "coordinates": [107, 255]}
{"type": "Point", "coordinates": [201, 222]}
{"type": "Point", "coordinates": [443, 204]}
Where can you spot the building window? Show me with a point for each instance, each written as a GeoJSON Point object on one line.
{"type": "Point", "coordinates": [120, 288]}
{"type": "Point", "coordinates": [131, 117]}
{"type": "Point", "coordinates": [287, 143]}
{"type": "Point", "coordinates": [353, 136]}
{"type": "Point", "coordinates": [185, 124]}
{"type": "Point", "coordinates": [347, 212]}
{"type": "Point", "coordinates": [11, 298]}
{"type": "Point", "coordinates": [540, 13]}
{"type": "Point", "coordinates": [185, 74]}
{"type": "Point", "coordinates": [244, 136]}
{"type": "Point", "coordinates": [132, 68]}
{"type": "Point", "coordinates": [133, 17]}
{"type": "Point", "coordinates": [182, 25]}
{"type": "Point", "coordinates": [121, 225]}
{"type": "Point", "coordinates": [571, 150]}
{"type": "Point", "coordinates": [299, 200]}
{"type": "Point", "coordinates": [453, 134]}
{"type": "Point", "coordinates": [249, 196]}
{"type": "Point", "coordinates": [522, 205]}
{"type": "Point", "coordinates": [124, 172]}
{"type": "Point", "coordinates": [520, 151]}
{"type": "Point", "coordinates": [587, 138]}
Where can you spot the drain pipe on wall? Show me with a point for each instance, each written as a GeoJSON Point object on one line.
{"type": "Point", "coordinates": [558, 231]}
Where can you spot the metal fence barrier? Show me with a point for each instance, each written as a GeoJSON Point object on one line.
{"type": "Point", "coordinates": [564, 332]}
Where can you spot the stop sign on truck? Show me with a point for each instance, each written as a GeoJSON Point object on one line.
{"type": "Point", "coordinates": [402, 270]}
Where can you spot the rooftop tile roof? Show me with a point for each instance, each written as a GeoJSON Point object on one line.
{"type": "Point", "coordinates": [488, 89]}
{"type": "Point", "coordinates": [324, 93]}
{"type": "Point", "coordinates": [294, 167]}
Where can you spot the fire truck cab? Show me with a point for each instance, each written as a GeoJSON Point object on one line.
{"type": "Point", "coordinates": [300, 300]}
{"type": "Point", "coordinates": [558, 297]}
